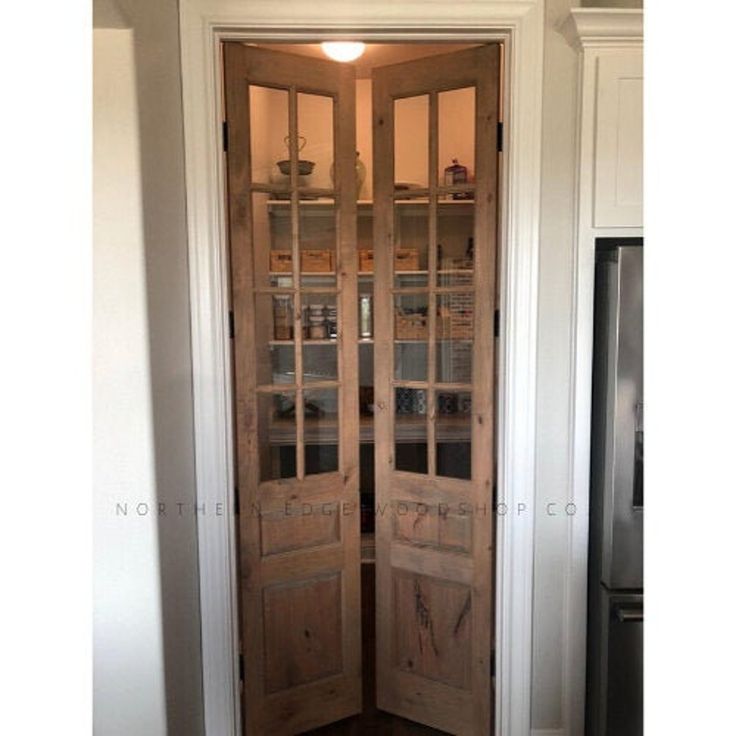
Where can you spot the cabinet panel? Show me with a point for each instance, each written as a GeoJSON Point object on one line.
{"type": "Point", "coordinates": [619, 132]}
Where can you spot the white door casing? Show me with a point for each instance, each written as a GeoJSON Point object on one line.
{"type": "Point", "coordinates": [518, 24]}
{"type": "Point", "coordinates": [611, 35]}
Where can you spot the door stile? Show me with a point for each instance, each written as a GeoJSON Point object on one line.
{"type": "Point", "coordinates": [485, 235]}
{"type": "Point", "coordinates": [240, 217]}
{"type": "Point", "coordinates": [383, 254]}
{"type": "Point", "coordinates": [347, 347]}
{"type": "Point", "coordinates": [432, 283]}
{"type": "Point", "coordinates": [296, 270]}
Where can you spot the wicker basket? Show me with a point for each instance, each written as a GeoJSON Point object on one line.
{"type": "Point", "coordinates": [411, 326]}
{"type": "Point", "coordinates": [316, 261]}
{"type": "Point", "coordinates": [365, 260]}
{"type": "Point", "coordinates": [455, 321]}
{"type": "Point", "coordinates": [406, 259]}
{"type": "Point", "coordinates": [281, 261]}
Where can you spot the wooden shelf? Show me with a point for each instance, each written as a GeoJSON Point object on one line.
{"type": "Point", "coordinates": [308, 203]}
{"type": "Point", "coordinates": [408, 429]}
{"type": "Point", "coordinates": [410, 206]}
{"type": "Point", "coordinates": [368, 341]}
{"type": "Point", "coordinates": [369, 274]}
{"type": "Point", "coordinates": [306, 341]}
{"type": "Point", "coordinates": [362, 274]}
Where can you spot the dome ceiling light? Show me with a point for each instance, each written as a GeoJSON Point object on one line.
{"type": "Point", "coordinates": [343, 50]}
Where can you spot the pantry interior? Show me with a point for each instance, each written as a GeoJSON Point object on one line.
{"type": "Point", "coordinates": [272, 228]}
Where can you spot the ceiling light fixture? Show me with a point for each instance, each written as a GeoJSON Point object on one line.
{"type": "Point", "coordinates": [343, 50]}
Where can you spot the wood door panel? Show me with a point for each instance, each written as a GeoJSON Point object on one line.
{"type": "Point", "coordinates": [286, 531]}
{"type": "Point", "coordinates": [448, 708]}
{"type": "Point", "coordinates": [417, 523]}
{"type": "Point", "coordinates": [298, 564]}
{"type": "Point", "coordinates": [433, 562]}
{"type": "Point", "coordinates": [302, 631]}
{"type": "Point", "coordinates": [435, 534]}
{"type": "Point", "coordinates": [313, 486]}
{"type": "Point", "coordinates": [330, 699]}
{"type": "Point", "coordinates": [433, 624]}
{"type": "Point", "coordinates": [299, 535]}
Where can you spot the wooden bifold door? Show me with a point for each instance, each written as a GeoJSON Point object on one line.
{"type": "Point", "coordinates": [296, 283]}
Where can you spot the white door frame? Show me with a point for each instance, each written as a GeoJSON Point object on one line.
{"type": "Point", "coordinates": [519, 24]}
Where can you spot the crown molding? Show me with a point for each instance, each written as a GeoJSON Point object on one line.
{"type": "Point", "coordinates": [604, 27]}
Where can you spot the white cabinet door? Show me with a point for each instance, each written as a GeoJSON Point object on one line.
{"type": "Point", "coordinates": [618, 140]}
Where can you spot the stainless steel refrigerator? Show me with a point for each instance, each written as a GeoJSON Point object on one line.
{"type": "Point", "coordinates": [614, 705]}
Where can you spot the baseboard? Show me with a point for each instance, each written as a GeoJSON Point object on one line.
{"type": "Point", "coordinates": [549, 732]}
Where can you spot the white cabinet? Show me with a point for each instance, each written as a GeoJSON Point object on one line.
{"type": "Point", "coordinates": [617, 199]}
{"type": "Point", "coordinates": [610, 160]}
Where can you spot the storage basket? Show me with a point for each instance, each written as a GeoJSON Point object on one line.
{"type": "Point", "coordinates": [281, 261]}
{"type": "Point", "coordinates": [316, 261]}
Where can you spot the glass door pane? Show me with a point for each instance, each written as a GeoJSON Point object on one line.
{"type": "Point", "coordinates": [411, 143]}
{"type": "Point", "coordinates": [433, 281]}
{"type": "Point", "coordinates": [277, 435]}
{"type": "Point", "coordinates": [269, 129]}
{"type": "Point", "coordinates": [410, 429]}
{"type": "Point", "coordinates": [456, 141]}
{"type": "Point", "coordinates": [321, 430]}
{"type": "Point", "coordinates": [453, 428]}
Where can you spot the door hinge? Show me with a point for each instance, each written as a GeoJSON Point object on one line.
{"type": "Point", "coordinates": [499, 136]}
{"type": "Point", "coordinates": [225, 136]}
{"type": "Point", "coordinates": [496, 323]}
{"type": "Point", "coordinates": [236, 495]}
{"type": "Point", "coordinates": [231, 324]}
{"type": "Point", "coordinates": [241, 667]}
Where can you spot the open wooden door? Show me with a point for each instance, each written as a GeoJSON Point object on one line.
{"type": "Point", "coordinates": [296, 403]}
{"type": "Point", "coordinates": [434, 367]}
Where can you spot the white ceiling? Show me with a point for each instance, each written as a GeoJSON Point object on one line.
{"type": "Point", "coordinates": [376, 54]}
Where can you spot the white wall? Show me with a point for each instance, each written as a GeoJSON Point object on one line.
{"type": "Point", "coordinates": [147, 677]}
{"type": "Point", "coordinates": [128, 641]}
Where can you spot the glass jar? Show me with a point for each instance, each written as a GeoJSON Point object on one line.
{"type": "Point", "coordinates": [283, 318]}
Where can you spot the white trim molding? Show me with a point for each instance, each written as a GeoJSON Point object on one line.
{"type": "Point", "coordinates": [597, 33]}
{"type": "Point", "coordinates": [604, 26]}
{"type": "Point", "coordinates": [519, 25]}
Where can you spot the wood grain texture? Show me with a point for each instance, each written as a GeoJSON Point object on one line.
{"type": "Point", "coordinates": [432, 632]}
{"type": "Point", "coordinates": [302, 630]}
{"type": "Point", "coordinates": [372, 720]}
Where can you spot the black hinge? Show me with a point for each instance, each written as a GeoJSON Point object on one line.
{"type": "Point", "coordinates": [241, 667]}
{"type": "Point", "coordinates": [231, 324]}
{"type": "Point", "coordinates": [496, 323]}
{"type": "Point", "coordinates": [499, 137]}
{"type": "Point", "coordinates": [225, 136]}
{"type": "Point", "coordinates": [237, 500]}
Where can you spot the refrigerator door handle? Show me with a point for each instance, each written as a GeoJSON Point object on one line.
{"type": "Point", "coordinates": [629, 615]}
{"type": "Point", "coordinates": [637, 500]}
